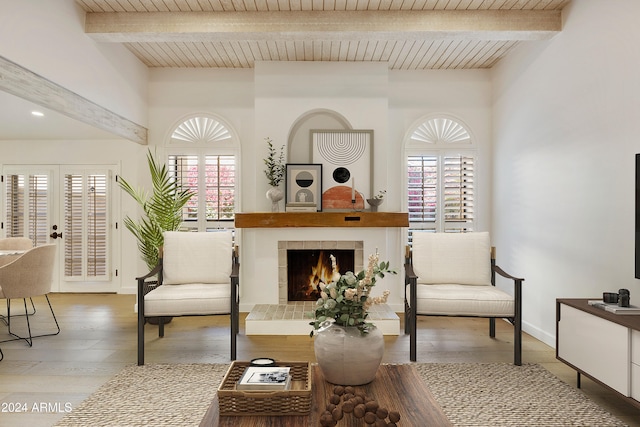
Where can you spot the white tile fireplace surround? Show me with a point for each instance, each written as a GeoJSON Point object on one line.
{"type": "Point", "coordinates": [261, 267]}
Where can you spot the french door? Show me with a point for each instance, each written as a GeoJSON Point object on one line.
{"type": "Point", "coordinates": [70, 206]}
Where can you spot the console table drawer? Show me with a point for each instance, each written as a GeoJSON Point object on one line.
{"type": "Point", "coordinates": [635, 381]}
{"type": "Point", "coordinates": [596, 346]}
{"type": "Point", "coordinates": [635, 347]}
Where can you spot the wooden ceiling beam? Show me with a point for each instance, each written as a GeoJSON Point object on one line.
{"type": "Point", "coordinates": [326, 25]}
{"type": "Point", "coordinates": [23, 83]}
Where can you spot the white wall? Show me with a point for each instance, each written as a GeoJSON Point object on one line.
{"type": "Point", "coordinates": [565, 136]}
{"type": "Point", "coordinates": [47, 37]}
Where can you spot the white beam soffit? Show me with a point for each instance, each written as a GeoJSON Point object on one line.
{"type": "Point", "coordinates": [25, 84]}
{"type": "Point", "coordinates": [157, 27]}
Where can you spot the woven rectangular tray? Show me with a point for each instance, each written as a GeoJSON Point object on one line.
{"type": "Point", "coordinates": [296, 401]}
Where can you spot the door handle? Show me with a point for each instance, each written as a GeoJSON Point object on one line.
{"type": "Point", "coordinates": [55, 235]}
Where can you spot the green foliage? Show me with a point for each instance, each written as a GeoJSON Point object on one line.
{"type": "Point", "coordinates": [275, 167]}
{"type": "Point", "coordinates": [162, 210]}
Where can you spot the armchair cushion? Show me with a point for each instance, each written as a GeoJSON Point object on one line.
{"type": "Point", "coordinates": [463, 300]}
{"type": "Point", "coordinates": [197, 257]}
{"type": "Point", "coordinates": [452, 258]}
{"type": "Point", "coordinates": [188, 300]}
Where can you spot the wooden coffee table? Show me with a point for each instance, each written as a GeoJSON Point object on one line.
{"type": "Point", "coordinates": [396, 388]}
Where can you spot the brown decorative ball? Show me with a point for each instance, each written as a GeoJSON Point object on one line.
{"type": "Point", "coordinates": [382, 413]}
{"type": "Point", "coordinates": [370, 418]}
{"type": "Point", "coordinates": [339, 390]}
{"type": "Point", "coordinates": [359, 411]}
{"type": "Point", "coordinates": [349, 389]}
{"type": "Point", "coordinates": [394, 416]}
{"type": "Point", "coordinates": [337, 414]}
{"type": "Point", "coordinates": [371, 406]}
{"type": "Point", "coordinates": [348, 407]}
{"type": "Point", "coordinates": [326, 419]}
{"type": "Point", "coordinates": [335, 399]}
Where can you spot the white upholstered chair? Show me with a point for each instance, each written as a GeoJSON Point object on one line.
{"type": "Point", "coordinates": [29, 276]}
{"type": "Point", "coordinates": [197, 275]}
{"type": "Point", "coordinates": [453, 274]}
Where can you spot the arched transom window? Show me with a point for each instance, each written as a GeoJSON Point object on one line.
{"type": "Point", "coordinates": [200, 130]}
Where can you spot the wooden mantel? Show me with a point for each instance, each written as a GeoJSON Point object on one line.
{"type": "Point", "coordinates": [321, 219]}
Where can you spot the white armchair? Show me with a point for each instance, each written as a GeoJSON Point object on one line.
{"type": "Point", "coordinates": [197, 275]}
{"type": "Point", "coordinates": [453, 274]}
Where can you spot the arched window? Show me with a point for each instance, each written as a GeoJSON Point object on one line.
{"type": "Point", "coordinates": [202, 155]}
{"type": "Point", "coordinates": [440, 161]}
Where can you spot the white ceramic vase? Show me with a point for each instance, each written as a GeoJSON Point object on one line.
{"type": "Point", "coordinates": [275, 195]}
{"type": "Point", "coordinates": [346, 356]}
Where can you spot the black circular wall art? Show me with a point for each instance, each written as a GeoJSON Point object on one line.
{"type": "Point", "coordinates": [341, 175]}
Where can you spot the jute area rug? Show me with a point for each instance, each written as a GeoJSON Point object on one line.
{"type": "Point", "coordinates": [471, 394]}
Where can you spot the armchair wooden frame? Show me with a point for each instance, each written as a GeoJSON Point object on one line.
{"type": "Point", "coordinates": [153, 280]}
{"type": "Point", "coordinates": [411, 301]}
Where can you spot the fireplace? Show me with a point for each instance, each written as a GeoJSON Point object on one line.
{"type": "Point", "coordinates": [304, 264]}
{"type": "Point", "coordinates": [308, 268]}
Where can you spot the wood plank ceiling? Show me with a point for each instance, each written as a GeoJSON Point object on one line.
{"type": "Point", "coordinates": [408, 35]}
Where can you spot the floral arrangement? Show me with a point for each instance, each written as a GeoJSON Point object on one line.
{"type": "Point", "coordinates": [346, 299]}
{"type": "Point", "coordinates": [275, 167]}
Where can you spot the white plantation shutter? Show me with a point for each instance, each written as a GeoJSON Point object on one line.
{"type": "Point", "coordinates": [440, 180]}
{"type": "Point", "coordinates": [27, 206]}
{"type": "Point", "coordinates": [86, 225]}
{"type": "Point", "coordinates": [458, 189]}
{"type": "Point", "coordinates": [423, 190]}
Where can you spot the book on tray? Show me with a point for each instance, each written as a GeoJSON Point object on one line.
{"type": "Point", "coordinates": [259, 378]}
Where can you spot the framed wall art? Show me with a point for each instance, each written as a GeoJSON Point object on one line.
{"type": "Point", "coordinates": [304, 187]}
{"type": "Point", "coordinates": [346, 157]}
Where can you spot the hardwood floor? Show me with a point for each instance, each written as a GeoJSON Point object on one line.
{"type": "Point", "coordinates": [98, 339]}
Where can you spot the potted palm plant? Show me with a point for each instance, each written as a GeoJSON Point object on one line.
{"type": "Point", "coordinates": [162, 209]}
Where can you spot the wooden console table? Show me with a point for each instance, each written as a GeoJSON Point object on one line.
{"type": "Point", "coordinates": [321, 219]}
{"type": "Point", "coordinates": [396, 387]}
{"type": "Point", "coordinates": [600, 345]}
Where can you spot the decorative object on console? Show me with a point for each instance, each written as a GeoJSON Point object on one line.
{"type": "Point", "coordinates": [347, 347]}
{"type": "Point", "coordinates": [274, 173]}
{"type": "Point", "coordinates": [376, 200]}
{"type": "Point", "coordinates": [304, 187]}
{"type": "Point", "coordinates": [346, 156]}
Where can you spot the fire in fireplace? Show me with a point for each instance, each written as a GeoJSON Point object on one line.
{"type": "Point", "coordinates": [307, 268]}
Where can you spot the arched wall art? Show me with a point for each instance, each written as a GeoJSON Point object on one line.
{"type": "Point", "coordinates": [346, 158]}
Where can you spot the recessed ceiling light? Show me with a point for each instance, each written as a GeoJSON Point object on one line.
{"type": "Point", "coordinates": [37, 113]}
